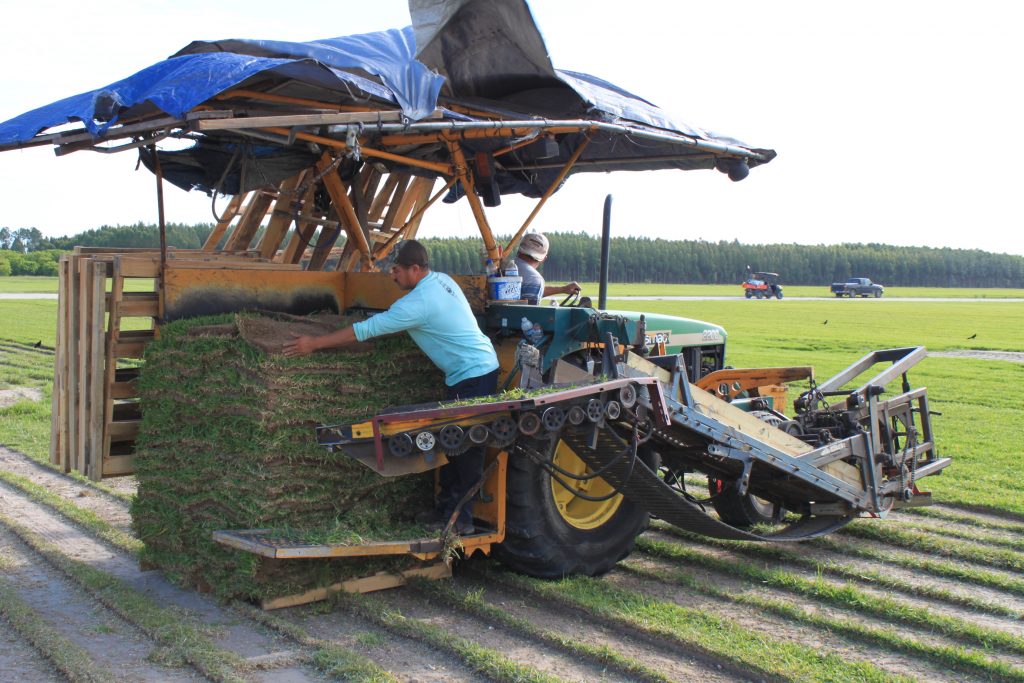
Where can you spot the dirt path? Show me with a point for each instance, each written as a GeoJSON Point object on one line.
{"type": "Point", "coordinates": [1011, 356]}
{"type": "Point", "coordinates": [20, 662]}
{"type": "Point", "coordinates": [228, 632]}
{"type": "Point", "coordinates": [62, 605]}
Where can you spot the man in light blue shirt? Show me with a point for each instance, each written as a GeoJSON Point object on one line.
{"type": "Point", "coordinates": [437, 316]}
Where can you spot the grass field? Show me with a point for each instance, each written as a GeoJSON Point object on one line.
{"type": "Point", "coordinates": [934, 595]}
{"type": "Point", "coordinates": [980, 424]}
{"type": "Point", "coordinates": [42, 285]}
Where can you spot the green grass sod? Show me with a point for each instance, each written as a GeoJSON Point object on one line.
{"type": "Point", "coordinates": [227, 442]}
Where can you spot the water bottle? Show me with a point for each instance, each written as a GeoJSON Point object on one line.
{"type": "Point", "coordinates": [490, 269]}
{"type": "Point", "coordinates": [527, 327]}
{"type": "Point", "coordinates": [512, 270]}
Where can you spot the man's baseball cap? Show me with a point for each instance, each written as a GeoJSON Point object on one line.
{"type": "Point", "coordinates": [412, 253]}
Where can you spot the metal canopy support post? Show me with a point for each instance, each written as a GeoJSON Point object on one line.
{"type": "Point", "coordinates": [339, 196]}
{"type": "Point", "coordinates": [606, 242]}
{"type": "Point", "coordinates": [461, 172]}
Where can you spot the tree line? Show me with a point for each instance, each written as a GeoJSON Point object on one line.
{"type": "Point", "coordinates": [577, 256]}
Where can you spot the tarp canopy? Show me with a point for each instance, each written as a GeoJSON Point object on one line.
{"type": "Point", "coordinates": [463, 63]}
{"type": "Point", "coordinates": [203, 70]}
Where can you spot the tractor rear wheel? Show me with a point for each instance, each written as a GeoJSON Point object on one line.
{"type": "Point", "coordinates": [742, 511]}
{"type": "Point", "coordinates": [551, 532]}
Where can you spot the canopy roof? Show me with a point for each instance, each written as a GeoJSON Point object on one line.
{"type": "Point", "coordinates": [463, 63]}
{"type": "Point", "coordinates": [467, 94]}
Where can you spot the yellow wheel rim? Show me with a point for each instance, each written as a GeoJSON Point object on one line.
{"type": "Point", "coordinates": [579, 512]}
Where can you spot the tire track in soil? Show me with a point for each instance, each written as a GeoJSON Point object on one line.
{"type": "Point", "coordinates": [115, 512]}
{"type": "Point", "coordinates": [545, 658]}
{"type": "Point", "coordinates": [779, 628]}
{"type": "Point", "coordinates": [405, 658]}
{"type": "Point", "coordinates": [670, 659]}
{"type": "Point", "coordinates": [112, 642]}
{"type": "Point", "coordinates": [229, 632]}
{"type": "Point", "coordinates": [741, 587]}
{"type": "Point", "coordinates": [111, 509]}
{"type": "Point", "coordinates": [1009, 624]}
{"type": "Point", "coordinates": [19, 661]}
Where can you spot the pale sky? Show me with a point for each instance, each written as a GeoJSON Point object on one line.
{"type": "Point", "coordinates": [895, 122]}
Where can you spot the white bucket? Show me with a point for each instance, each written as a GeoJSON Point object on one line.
{"type": "Point", "coordinates": [504, 288]}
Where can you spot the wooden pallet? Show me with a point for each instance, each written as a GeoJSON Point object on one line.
{"type": "Point", "coordinates": [95, 409]}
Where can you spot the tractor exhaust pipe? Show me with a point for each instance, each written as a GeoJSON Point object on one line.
{"type": "Point", "coordinates": [606, 243]}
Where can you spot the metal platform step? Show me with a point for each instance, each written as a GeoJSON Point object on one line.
{"type": "Point", "coordinates": [268, 543]}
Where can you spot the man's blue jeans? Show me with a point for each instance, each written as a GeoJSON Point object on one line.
{"type": "Point", "coordinates": [463, 471]}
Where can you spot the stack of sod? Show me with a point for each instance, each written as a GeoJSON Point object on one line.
{"type": "Point", "coordinates": [227, 442]}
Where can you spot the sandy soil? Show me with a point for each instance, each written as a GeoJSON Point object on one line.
{"type": "Point", "coordinates": [121, 646]}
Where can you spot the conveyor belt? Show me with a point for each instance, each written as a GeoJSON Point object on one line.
{"type": "Point", "coordinates": [639, 484]}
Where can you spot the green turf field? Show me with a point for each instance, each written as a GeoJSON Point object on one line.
{"type": "Point", "coordinates": [980, 424]}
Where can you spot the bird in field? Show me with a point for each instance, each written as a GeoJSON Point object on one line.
{"type": "Point", "coordinates": [973, 335]}
{"type": "Point", "coordinates": [825, 323]}
{"type": "Point", "coordinates": [38, 344]}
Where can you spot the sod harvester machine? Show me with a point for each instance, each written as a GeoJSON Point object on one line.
{"type": "Point", "coordinates": [620, 417]}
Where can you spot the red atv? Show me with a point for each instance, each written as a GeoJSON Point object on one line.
{"type": "Point", "coordinates": [762, 285]}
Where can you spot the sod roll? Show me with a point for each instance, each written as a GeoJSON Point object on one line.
{"type": "Point", "coordinates": [227, 442]}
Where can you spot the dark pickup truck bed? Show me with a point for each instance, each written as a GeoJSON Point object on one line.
{"type": "Point", "coordinates": [857, 286]}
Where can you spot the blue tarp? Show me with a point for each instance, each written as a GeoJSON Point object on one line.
{"type": "Point", "coordinates": [202, 70]}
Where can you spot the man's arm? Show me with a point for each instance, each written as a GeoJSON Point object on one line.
{"type": "Point", "coordinates": [303, 345]}
{"type": "Point", "coordinates": [571, 288]}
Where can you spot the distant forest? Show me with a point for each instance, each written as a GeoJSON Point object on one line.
{"type": "Point", "coordinates": [576, 256]}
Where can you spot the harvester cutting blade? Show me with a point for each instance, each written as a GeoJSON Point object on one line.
{"type": "Point", "coordinates": [644, 487]}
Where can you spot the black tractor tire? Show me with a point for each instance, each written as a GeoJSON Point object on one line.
{"type": "Point", "coordinates": [742, 511]}
{"type": "Point", "coordinates": [540, 542]}
{"type": "Point", "coordinates": [748, 293]}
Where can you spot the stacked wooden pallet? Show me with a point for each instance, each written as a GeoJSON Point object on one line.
{"type": "Point", "coordinates": [102, 331]}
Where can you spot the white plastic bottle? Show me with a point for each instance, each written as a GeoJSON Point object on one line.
{"type": "Point", "coordinates": [512, 270]}
{"type": "Point", "coordinates": [490, 269]}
